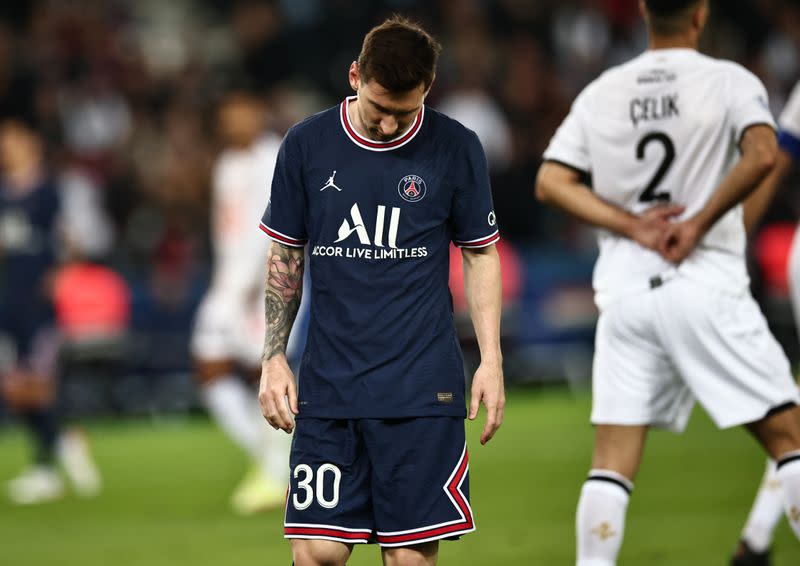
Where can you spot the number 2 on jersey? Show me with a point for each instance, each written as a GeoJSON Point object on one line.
{"type": "Point", "coordinates": [650, 194]}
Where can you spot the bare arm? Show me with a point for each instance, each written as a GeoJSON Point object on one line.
{"type": "Point", "coordinates": [759, 200]}
{"type": "Point", "coordinates": [759, 147]}
{"type": "Point", "coordinates": [482, 286]}
{"type": "Point", "coordinates": [561, 186]}
{"type": "Point", "coordinates": [282, 294]}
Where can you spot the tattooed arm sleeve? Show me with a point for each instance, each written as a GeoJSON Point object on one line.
{"type": "Point", "coordinates": [284, 287]}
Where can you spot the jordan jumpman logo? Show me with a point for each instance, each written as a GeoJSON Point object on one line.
{"type": "Point", "coordinates": [330, 183]}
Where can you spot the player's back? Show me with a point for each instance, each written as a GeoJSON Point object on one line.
{"type": "Point", "coordinates": [664, 128]}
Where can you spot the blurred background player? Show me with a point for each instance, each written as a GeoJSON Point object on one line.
{"type": "Point", "coordinates": [30, 237]}
{"type": "Point", "coordinates": [230, 321]}
{"type": "Point", "coordinates": [767, 510]}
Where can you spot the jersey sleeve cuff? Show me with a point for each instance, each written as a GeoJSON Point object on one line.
{"type": "Point", "coordinates": [579, 170]}
{"type": "Point", "coordinates": [479, 242]}
{"type": "Point", "coordinates": [789, 143]}
{"type": "Point", "coordinates": [753, 125]}
{"type": "Point", "coordinates": [283, 238]}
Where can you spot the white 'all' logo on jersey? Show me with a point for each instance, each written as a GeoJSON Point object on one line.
{"type": "Point", "coordinates": [346, 229]}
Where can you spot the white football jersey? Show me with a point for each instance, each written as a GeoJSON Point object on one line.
{"type": "Point", "coordinates": [242, 182]}
{"type": "Point", "coordinates": [663, 128]}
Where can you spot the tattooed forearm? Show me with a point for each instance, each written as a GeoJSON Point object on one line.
{"type": "Point", "coordinates": [283, 290]}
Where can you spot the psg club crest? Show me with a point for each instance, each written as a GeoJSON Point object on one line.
{"type": "Point", "coordinates": [412, 188]}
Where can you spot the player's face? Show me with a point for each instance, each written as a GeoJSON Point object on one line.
{"type": "Point", "coordinates": [385, 114]}
{"type": "Point", "coordinates": [241, 121]}
{"type": "Point", "coordinates": [18, 146]}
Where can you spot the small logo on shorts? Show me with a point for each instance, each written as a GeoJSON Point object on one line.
{"type": "Point", "coordinates": [444, 397]}
{"type": "Point", "coordinates": [412, 188]}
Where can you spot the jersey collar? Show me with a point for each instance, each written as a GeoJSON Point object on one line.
{"type": "Point", "coordinates": [372, 145]}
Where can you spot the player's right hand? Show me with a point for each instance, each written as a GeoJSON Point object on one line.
{"type": "Point", "coordinates": [649, 228]}
{"type": "Point", "coordinates": [276, 386]}
{"type": "Point", "coordinates": [680, 240]}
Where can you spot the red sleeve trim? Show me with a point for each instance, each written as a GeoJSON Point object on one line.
{"type": "Point", "coordinates": [480, 242]}
{"type": "Point", "coordinates": [283, 238]}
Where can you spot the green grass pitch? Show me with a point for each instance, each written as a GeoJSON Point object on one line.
{"type": "Point", "coordinates": [167, 484]}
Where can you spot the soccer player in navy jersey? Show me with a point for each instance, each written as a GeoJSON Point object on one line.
{"type": "Point", "coordinates": [32, 232]}
{"type": "Point", "coordinates": [378, 187]}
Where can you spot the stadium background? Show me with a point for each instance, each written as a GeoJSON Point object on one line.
{"type": "Point", "coordinates": [125, 92]}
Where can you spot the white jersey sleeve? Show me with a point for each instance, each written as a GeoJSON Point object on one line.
{"type": "Point", "coordinates": [569, 145]}
{"type": "Point", "coordinates": [750, 106]}
{"type": "Point", "coordinates": [789, 136]}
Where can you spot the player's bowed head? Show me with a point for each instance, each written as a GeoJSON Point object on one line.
{"type": "Point", "coordinates": [392, 76]}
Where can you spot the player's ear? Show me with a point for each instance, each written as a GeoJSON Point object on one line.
{"type": "Point", "coordinates": [700, 16]}
{"type": "Point", "coordinates": [353, 76]}
{"type": "Point", "coordinates": [433, 80]}
{"type": "Point", "coordinates": [643, 10]}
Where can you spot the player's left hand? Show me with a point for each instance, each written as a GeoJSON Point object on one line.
{"type": "Point", "coordinates": [488, 388]}
{"type": "Point", "coordinates": [649, 228]}
{"type": "Point", "coordinates": [277, 393]}
{"type": "Point", "coordinates": [680, 240]}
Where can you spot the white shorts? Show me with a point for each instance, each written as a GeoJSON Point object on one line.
{"type": "Point", "coordinates": [658, 351]}
{"type": "Point", "coordinates": [794, 276]}
{"type": "Point", "coordinates": [229, 328]}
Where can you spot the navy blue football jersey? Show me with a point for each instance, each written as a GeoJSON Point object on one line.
{"type": "Point", "coordinates": [28, 224]}
{"type": "Point", "coordinates": [378, 218]}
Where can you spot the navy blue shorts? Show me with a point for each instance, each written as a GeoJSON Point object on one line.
{"type": "Point", "coordinates": [25, 331]}
{"type": "Point", "coordinates": [397, 482]}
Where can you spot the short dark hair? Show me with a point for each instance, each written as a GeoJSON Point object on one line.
{"type": "Point", "coordinates": [668, 17]}
{"type": "Point", "coordinates": [399, 55]}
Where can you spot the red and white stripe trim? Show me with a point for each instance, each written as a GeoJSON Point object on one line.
{"type": "Point", "coordinates": [326, 532]}
{"type": "Point", "coordinates": [282, 238]}
{"type": "Point", "coordinates": [479, 242]}
{"type": "Point", "coordinates": [465, 524]}
{"type": "Point", "coordinates": [373, 145]}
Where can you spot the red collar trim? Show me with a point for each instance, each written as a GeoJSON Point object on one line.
{"type": "Point", "coordinates": [372, 145]}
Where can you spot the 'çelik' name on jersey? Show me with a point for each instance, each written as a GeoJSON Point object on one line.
{"type": "Point", "coordinates": [650, 108]}
{"type": "Point", "coordinates": [663, 128]}
{"type": "Point", "coordinates": [378, 218]}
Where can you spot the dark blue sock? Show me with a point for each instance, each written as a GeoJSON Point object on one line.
{"type": "Point", "coordinates": [44, 427]}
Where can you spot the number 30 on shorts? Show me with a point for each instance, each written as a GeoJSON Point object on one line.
{"type": "Point", "coordinates": [304, 484]}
